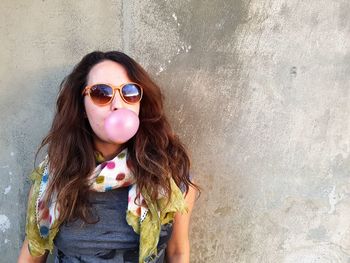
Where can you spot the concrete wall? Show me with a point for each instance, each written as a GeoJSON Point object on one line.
{"type": "Point", "coordinates": [258, 90]}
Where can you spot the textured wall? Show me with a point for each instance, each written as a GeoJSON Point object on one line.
{"type": "Point", "coordinates": [257, 89]}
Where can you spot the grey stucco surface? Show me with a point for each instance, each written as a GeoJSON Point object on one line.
{"type": "Point", "coordinates": [258, 91]}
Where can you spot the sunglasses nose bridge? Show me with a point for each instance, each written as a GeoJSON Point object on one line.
{"type": "Point", "coordinates": [116, 101]}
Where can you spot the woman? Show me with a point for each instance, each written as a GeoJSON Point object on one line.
{"type": "Point", "coordinates": [115, 185]}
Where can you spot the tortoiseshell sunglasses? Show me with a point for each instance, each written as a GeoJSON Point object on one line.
{"type": "Point", "coordinates": [103, 93]}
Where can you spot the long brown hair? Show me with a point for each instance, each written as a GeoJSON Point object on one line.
{"type": "Point", "coordinates": [156, 153]}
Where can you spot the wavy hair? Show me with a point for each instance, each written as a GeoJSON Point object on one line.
{"type": "Point", "coordinates": [155, 152]}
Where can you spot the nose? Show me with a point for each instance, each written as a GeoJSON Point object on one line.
{"type": "Point", "coordinates": [117, 102]}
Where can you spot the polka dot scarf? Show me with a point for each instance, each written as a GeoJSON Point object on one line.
{"type": "Point", "coordinates": [107, 175]}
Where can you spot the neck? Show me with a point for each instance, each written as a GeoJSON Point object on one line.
{"type": "Point", "coordinates": [108, 150]}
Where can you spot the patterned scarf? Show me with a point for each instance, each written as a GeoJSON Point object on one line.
{"type": "Point", "coordinates": [144, 216]}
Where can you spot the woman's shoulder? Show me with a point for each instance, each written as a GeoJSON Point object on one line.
{"type": "Point", "coordinates": [184, 185]}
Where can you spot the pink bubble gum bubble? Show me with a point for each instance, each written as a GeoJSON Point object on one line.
{"type": "Point", "coordinates": [121, 125]}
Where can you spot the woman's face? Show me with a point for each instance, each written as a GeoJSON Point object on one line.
{"type": "Point", "coordinates": [106, 72]}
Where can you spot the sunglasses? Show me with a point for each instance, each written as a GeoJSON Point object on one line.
{"type": "Point", "coordinates": [102, 94]}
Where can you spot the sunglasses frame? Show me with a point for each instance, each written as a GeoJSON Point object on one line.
{"type": "Point", "coordinates": [87, 91]}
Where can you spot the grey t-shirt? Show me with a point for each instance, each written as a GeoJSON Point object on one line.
{"type": "Point", "coordinates": [111, 239]}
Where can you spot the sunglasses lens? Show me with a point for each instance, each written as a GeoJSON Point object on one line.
{"type": "Point", "coordinates": [101, 93]}
{"type": "Point", "coordinates": [131, 93]}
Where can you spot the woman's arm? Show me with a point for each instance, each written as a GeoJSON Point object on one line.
{"type": "Point", "coordinates": [24, 255]}
{"type": "Point", "coordinates": [178, 249]}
